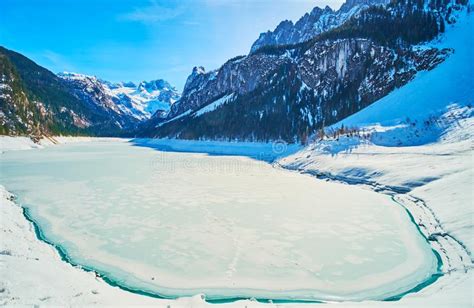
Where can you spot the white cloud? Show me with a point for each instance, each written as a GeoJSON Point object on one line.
{"type": "Point", "coordinates": [152, 13]}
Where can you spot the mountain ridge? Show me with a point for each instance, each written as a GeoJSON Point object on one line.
{"type": "Point", "coordinates": [319, 20]}
{"type": "Point", "coordinates": [289, 91]}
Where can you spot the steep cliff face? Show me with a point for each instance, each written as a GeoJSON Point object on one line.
{"type": "Point", "coordinates": [94, 93]}
{"type": "Point", "coordinates": [288, 92]}
{"type": "Point", "coordinates": [301, 93]}
{"type": "Point", "coordinates": [311, 24]}
{"type": "Point", "coordinates": [240, 75]}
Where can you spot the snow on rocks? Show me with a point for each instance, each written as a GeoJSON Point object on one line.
{"type": "Point", "coordinates": [139, 101]}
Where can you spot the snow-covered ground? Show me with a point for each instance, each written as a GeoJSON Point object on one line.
{"type": "Point", "coordinates": [9, 143]}
{"type": "Point", "coordinates": [433, 181]}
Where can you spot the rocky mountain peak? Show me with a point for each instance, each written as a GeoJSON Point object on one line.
{"type": "Point", "coordinates": [199, 70]}
{"type": "Point", "coordinates": [129, 84]}
{"type": "Point", "coordinates": [311, 24]}
{"type": "Point", "coordinates": [288, 92]}
{"type": "Point", "coordinates": [349, 4]}
{"type": "Point", "coordinates": [196, 72]}
{"type": "Point", "coordinates": [285, 24]}
{"type": "Point", "coordinates": [154, 85]}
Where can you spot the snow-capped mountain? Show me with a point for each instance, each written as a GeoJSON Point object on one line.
{"type": "Point", "coordinates": [36, 102]}
{"type": "Point", "coordinates": [146, 98]}
{"type": "Point", "coordinates": [138, 101]}
{"type": "Point", "coordinates": [311, 24]}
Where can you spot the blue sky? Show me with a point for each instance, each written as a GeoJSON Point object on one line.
{"type": "Point", "coordinates": [142, 39]}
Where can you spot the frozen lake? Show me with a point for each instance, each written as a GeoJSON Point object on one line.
{"type": "Point", "coordinates": [178, 224]}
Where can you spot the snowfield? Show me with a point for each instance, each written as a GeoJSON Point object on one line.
{"type": "Point", "coordinates": [8, 143]}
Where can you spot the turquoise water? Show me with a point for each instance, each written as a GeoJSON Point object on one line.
{"type": "Point", "coordinates": [178, 224]}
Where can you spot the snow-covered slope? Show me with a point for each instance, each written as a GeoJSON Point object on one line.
{"type": "Point", "coordinates": [139, 101]}
{"type": "Point", "coordinates": [416, 145]}
{"type": "Point", "coordinates": [432, 92]}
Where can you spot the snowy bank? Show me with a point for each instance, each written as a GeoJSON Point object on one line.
{"type": "Point", "coordinates": [8, 143]}
{"type": "Point", "coordinates": [18, 143]}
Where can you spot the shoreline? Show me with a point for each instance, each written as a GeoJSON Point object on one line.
{"type": "Point", "coordinates": [155, 295]}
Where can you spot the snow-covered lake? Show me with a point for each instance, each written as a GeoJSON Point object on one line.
{"type": "Point", "coordinates": [178, 224]}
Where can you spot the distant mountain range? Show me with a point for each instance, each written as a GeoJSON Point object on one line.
{"type": "Point", "coordinates": [296, 80]}
{"type": "Point", "coordinates": [139, 101]}
{"type": "Point", "coordinates": [35, 101]}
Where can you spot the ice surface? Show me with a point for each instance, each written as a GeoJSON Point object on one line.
{"type": "Point", "coordinates": [32, 273]}
{"type": "Point", "coordinates": [93, 222]}
{"type": "Point", "coordinates": [181, 224]}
